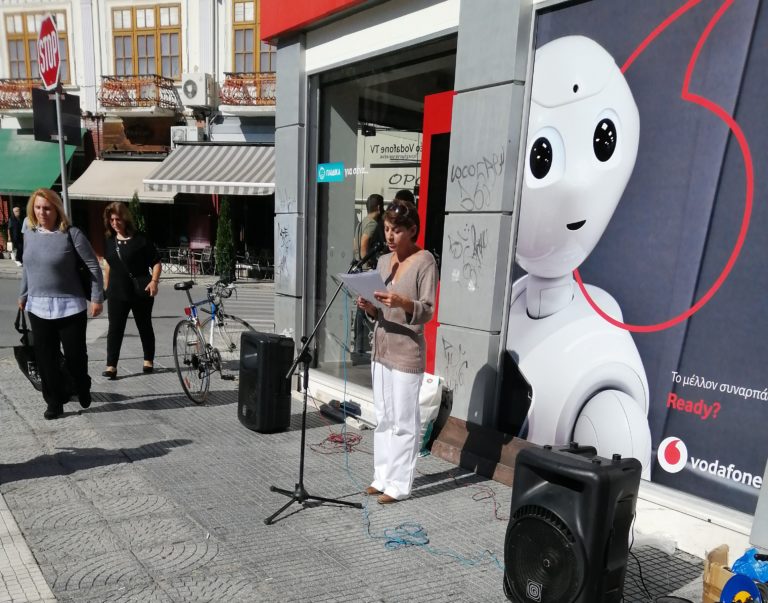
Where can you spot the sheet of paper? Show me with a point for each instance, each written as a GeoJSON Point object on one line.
{"type": "Point", "coordinates": [364, 284]}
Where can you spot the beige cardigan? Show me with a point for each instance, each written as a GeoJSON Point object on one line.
{"type": "Point", "coordinates": [398, 338]}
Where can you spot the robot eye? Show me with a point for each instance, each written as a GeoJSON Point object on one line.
{"type": "Point", "coordinates": [546, 158]}
{"type": "Point", "coordinates": [604, 139]}
{"type": "Point", "coordinates": [540, 158]}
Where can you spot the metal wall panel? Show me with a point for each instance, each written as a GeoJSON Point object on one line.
{"type": "Point", "coordinates": [474, 270]}
{"type": "Point", "coordinates": [288, 316]}
{"type": "Point", "coordinates": [290, 169]}
{"type": "Point", "coordinates": [289, 254]}
{"type": "Point", "coordinates": [467, 360]}
{"type": "Point", "coordinates": [493, 42]}
{"type": "Point", "coordinates": [291, 91]}
{"type": "Point", "coordinates": [485, 133]}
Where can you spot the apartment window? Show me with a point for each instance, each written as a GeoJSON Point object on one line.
{"type": "Point", "coordinates": [22, 30]}
{"type": "Point", "coordinates": [249, 53]}
{"type": "Point", "coordinates": [147, 40]}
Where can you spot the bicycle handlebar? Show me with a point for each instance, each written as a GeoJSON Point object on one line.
{"type": "Point", "coordinates": [219, 289]}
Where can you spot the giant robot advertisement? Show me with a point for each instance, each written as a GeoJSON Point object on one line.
{"type": "Point", "coordinates": [638, 302]}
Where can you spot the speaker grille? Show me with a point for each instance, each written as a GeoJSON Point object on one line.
{"type": "Point", "coordinates": [543, 563]}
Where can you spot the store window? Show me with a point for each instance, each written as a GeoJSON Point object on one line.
{"type": "Point", "coordinates": [371, 117]}
{"type": "Point", "coordinates": [250, 55]}
{"type": "Point", "coordinates": [22, 30]}
{"type": "Point", "coordinates": [146, 40]}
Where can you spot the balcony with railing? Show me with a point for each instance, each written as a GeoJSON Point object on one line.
{"type": "Point", "coordinates": [127, 95]}
{"type": "Point", "coordinates": [248, 93]}
{"type": "Point", "coordinates": [16, 95]}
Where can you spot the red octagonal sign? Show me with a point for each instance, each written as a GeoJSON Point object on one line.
{"type": "Point", "coordinates": [48, 59]}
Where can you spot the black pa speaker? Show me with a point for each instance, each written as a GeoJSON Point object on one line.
{"type": "Point", "coordinates": [264, 393]}
{"type": "Point", "coordinates": [567, 538]}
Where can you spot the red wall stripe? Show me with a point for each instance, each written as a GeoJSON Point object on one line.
{"type": "Point", "coordinates": [279, 17]}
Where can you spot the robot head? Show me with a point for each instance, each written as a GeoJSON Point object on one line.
{"type": "Point", "coordinates": [583, 135]}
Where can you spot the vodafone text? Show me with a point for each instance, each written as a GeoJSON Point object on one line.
{"type": "Point", "coordinates": [727, 472]}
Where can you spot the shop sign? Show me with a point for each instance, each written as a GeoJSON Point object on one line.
{"type": "Point", "coordinates": [330, 172]}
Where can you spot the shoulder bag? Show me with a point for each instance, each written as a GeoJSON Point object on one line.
{"type": "Point", "coordinates": [25, 357]}
{"type": "Point", "coordinates": [83, 273]}
{"type": "Point", "coordinates": [139, 282]}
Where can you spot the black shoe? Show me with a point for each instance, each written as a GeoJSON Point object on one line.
{"type": "Point", "coordinates": [85, 399]}
{"type": "Point", "coordinates": [111, 375]}
{"type": "Point", "coordinates": [53, 411]}
{"type": "Point", "coordinates": [148, 369]}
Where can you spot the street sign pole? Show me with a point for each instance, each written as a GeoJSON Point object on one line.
{"type": "Point", "coordinates": [49, 64]}
{"type": "Point", "coordinates": [62, 155]}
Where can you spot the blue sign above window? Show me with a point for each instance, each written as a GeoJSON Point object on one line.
{"type": "Point", "coordinates": [330, 172]}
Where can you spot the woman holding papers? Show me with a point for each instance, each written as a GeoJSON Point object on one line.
{"type": "Point", "coordinates": [399, 355]}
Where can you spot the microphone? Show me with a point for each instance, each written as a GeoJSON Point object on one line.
{"type": "Point", "coordinates": [373, 251]}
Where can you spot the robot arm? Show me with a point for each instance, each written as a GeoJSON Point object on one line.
{"type": "Point", "coordinates": [614, 423]}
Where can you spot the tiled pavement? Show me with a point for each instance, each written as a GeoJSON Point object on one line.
{"type": "Point", "coordinates": [148, 497]}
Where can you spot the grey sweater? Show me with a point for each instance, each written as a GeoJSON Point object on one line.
{"type": "Point", "coordinates": [50, 268]}
{"type": "Point", "coordinates": [398, 340]}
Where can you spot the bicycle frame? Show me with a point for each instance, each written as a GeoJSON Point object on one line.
{"type": "Point", "coordinates": [191, 312]}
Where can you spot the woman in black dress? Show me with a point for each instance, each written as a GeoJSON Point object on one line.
{"type": "Point", "coordinates": [131, 281]}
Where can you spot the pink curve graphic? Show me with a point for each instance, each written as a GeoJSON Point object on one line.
{"type": "Point", "coordinates": [741, 139]}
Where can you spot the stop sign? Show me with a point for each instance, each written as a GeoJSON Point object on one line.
{"type": "Point", "coordinates": [48, 59]}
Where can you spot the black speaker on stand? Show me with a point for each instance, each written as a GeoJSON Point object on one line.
{"type": "Point", "coordinates": [568, 535]}
{"type": "Point", "coordinates": [264, 393]}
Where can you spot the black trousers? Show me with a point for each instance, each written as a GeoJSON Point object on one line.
{"type": "Point", "coordinates": [117, 310]}
{"type": "Point", "coordinates": [18, 245]}
{"type": "Point", "coordinates": [52, 335]}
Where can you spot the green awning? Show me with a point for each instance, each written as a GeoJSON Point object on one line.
{"type": "Point", "coordinates": [27, 164]}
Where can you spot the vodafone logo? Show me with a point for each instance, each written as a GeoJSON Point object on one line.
{"type": "Point", "coordinates": [672, 454]}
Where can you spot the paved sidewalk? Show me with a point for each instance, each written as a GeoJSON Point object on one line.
{"type": "Point", "coordinates": [148, 497]}
{"type": "Point", "coordinates": [20, 576]}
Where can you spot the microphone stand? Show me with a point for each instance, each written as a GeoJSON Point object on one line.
{"type": "Point", "coordinates": [299, 493]}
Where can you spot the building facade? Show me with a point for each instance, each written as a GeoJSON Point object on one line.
{"type": "Point", "coordinates": [434, 96]}
{"type": "Point", "coordinates": [152, 77]}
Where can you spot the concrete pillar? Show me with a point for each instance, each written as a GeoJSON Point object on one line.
{"type": "Point", "coordinates": [290, 186]}
{"type": "Point", "coordinates": [481, 195]}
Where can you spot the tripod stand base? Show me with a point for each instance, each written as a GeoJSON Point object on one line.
{"type": "Point", "coordinates": [301, 496]}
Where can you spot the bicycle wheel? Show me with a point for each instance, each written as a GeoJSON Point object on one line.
{"type": "Point", "coordinates": [226, 336]}
{"type": "Point", "coordinates": [192, 363]}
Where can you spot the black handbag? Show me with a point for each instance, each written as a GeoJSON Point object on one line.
{"type": "Point", "coordinates": [83, 273]}
{"type": "Point", "coordinates": [139, 282]}
{"type": "Point", "coordinates": [25, 358]}
{"type": "Point", "coordinates": [140, 285]}
{"type": "Point", "coordinates": [25, 353]}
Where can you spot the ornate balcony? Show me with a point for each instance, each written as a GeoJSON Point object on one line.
{"type": "Point", "coordinates": [246, 93]}
{"type": "Point", "coordinates": [16, 95]}
{"type": "Point", "coordinates": [127, 95]}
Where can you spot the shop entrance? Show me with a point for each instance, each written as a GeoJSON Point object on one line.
{"type": "Point", "coordinates": [385, 122]}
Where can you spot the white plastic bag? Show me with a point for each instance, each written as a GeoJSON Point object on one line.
{"type": "Point", "coordinates": [430, 396]}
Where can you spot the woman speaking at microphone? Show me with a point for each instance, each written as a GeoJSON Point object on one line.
{"type": "Point", "coordinates": [399, 351]}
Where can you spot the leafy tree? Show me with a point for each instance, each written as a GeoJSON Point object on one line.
{"type": "Point", "coordinates": [137, 213]}
{"type": "Point", "coordinates": [225, 243]}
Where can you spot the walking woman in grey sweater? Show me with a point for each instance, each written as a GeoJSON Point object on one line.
{"type": "Point", "coordinates": [399, 351]}
{"type": "Point", "coordinates": [52, 294]}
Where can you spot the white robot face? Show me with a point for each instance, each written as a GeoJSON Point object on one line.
{"type": "Point", "coordinates": [583, 135]}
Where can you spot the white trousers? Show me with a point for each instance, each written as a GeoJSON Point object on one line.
{"type": "Point", "coordinates": [398, 425]}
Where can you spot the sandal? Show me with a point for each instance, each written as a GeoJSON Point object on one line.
{"type": "Point", "coordinates": [110, 373]}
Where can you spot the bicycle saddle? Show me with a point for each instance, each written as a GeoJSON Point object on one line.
{"type": "Point", "coordinates": [184, 286]}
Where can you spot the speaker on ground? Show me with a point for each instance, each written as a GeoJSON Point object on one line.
{"type": "Point", "coordinates": [264, 393]}
{"type": "Point", "coordinates": [567, 538]}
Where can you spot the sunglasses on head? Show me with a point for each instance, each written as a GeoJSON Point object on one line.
{"type": "Point", "coordinates": [400, 209]}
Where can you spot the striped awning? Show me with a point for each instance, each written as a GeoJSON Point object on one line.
{"type": "Point", "coordinates": [117, 181]}
{"type": "Point", "coordinates": [231, 169]}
